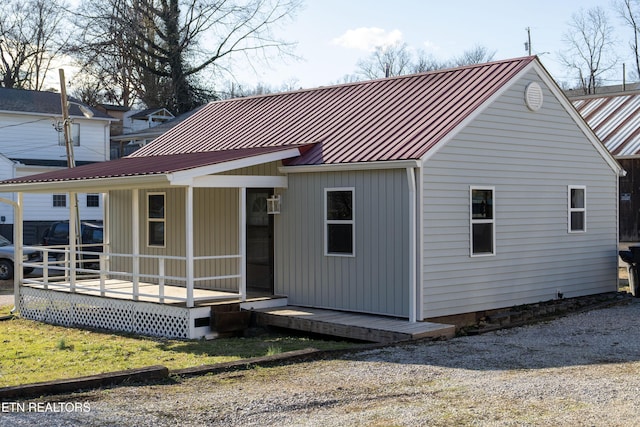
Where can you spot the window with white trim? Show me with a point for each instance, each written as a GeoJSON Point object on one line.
{"type": "Point", "coordinates": [93, 200]}
{"type": "Point", "coordinates": [59, 200]}
{"type": "Point", "coordinates": [339, 222]}
{"type": "Point", "coordinates": [75, 135]}
{"type": "Point", "coordinates": [482, 220]}
{"type": "Point", "coordinates": [577, 206]}
{"type": "Point", "coordinates": [156, 219]}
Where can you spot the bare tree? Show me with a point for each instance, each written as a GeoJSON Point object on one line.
{"type": "Point", "coordinates": [31, 37]}
{"type": "Point", "coordinates": [629, 11]}
{"type": "Point", "coordinates": [386, 61]}
{"type": "Point", "coordinates": [476, 55]}
{"type": "Point", "coordinates": [399, 59]}
{"type": "Point", "coordinates": [590, 43]}
{"type": "Point", "coordinates": [165, 44]}
{"type": "Point", "coordinates": [424, 63]}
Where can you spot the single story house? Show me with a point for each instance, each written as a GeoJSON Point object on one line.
{"type": "Point", "coordinates": [416, 197]}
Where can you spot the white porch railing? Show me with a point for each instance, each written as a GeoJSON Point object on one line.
{"type": "Point", "coordinates": [59, 273]}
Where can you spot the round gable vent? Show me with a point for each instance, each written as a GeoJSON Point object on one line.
{"type": "Point", "coordinates": [533, 96]}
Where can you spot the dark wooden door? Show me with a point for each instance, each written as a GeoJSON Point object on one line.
{"type": "Point", "coordinates": [259, 242]}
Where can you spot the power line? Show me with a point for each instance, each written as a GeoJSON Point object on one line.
{"type": "Point", "coordinates": [24, 123]}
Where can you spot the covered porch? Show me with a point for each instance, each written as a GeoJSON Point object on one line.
{"type": "Point", "coordinates": [175, 242]}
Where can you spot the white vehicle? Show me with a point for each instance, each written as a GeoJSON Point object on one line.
{"type": "Point", "coordinates": [7, 261]}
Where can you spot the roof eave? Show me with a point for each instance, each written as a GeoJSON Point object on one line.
{"type": "Point", "coordinates": [333, 167]}
{"type": "Point", "coordinates": [93, 185]}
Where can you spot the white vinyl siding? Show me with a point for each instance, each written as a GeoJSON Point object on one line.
{"type": "Point", "coordinates": [577, 208]}
{"type": "Point", "coordinates": [31, 136]}
{"type": "Point", "coordinates": [530, 158]}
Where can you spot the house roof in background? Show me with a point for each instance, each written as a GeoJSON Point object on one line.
{"type": "Point", "coordinates": [31, 101]}
{"type": "Point", "coordinates": [155, 131]}
{"type": "Point", "coordinates": [144, 114]}
{"type": "Point", "coordinates": [615, 119]}
{"type": "Point", "coordinates": [398, 118]}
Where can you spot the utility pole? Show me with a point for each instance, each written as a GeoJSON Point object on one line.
{"type": "Point", "coordinates": [527, 44]}
{"type": "Point", "coordinates": [66, 122]}
{"type": "Point", "coordinates": [71, 163]}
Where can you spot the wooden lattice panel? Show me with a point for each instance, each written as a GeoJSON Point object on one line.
{"type": "Point", "coordinates": [67, 309]}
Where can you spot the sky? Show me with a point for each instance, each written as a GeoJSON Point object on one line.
{"type": "Point", "coordinates": [332, 35]}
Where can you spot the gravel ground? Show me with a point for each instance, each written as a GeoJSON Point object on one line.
{"type": "Point", "coordinates": [579, 370]}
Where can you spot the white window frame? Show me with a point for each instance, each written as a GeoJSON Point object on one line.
{"type": "Point", "coordinates": [571, 210]}
{"type": "Point", "coordinates": [57, 195]}
{"type": "Point", "coordinates": [162, 220]}
{"type": "Point", "coordinates": [328, 222]}
{"type": "Point", "coordinates": [491, 221]}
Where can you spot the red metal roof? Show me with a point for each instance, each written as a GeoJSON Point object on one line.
{"type": "Point", "coordinates": [138, 166]}
{"type": "Point", "coordinates": [397, 118]}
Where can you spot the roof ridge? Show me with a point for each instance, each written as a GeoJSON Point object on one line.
{"type": "Point", "coordinates": [379, 80]}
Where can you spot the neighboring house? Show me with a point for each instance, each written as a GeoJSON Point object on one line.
{"type": "Point", "coordinates": [117, 112]}
{"type": "Point", "coordinates": [137, 120]}
{"type": "Point", "coordinates": [615, 119]}
{"type": "Point", "coordinates": [422, 196]}
{"type": "Point", "coordinates": [31, 142]}
{"type": "Point", "coordinates": [126, 143]}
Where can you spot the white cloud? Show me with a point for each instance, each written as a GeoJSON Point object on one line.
{"type": "Point", "coordinates": [431, 46]}
{"type": "Point", "coordinates": [368, 38]}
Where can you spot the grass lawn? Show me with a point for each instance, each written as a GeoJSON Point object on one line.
{"type": "Point", "coordinates": [33, 351]}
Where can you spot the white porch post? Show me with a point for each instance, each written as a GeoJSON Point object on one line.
{"type": "Point", "coordinates": [242, 235]}
{"type": "Point", "coordinates": [106, 232]}
{"type": "Point", "coordinates": [73, 241]}
{"type": "Point", "coordinates": [18, 242]}
{"type": "Point", "coordinates": [135, 244]}
{"type": "Point", "coordinates": [189, 244]}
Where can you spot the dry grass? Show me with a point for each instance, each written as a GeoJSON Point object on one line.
{"type": "Point", "coordinates": [34, 352]}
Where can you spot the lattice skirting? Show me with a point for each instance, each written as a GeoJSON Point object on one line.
{"type": "Point", "coordinates": [68, 309]}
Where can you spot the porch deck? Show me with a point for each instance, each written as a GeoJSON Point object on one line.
{"type": "Point", "coordinates": [94, 305]}
{"type": "Point", "coordinates": [365, 327]}
{"type": "Point", "coordinates": [147, 292]}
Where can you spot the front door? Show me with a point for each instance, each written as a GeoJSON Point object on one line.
{"type": "Point", "coordinates": [259, 242]}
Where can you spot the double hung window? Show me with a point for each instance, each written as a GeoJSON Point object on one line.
{"type": "Point", "coordinates": [577, 215]}
{"type": "Point", "coordinates": [156, 219]}
{"type": "Point", "coordinates": [482, 221]}
{"type": "Point", "coordinates": [339, 222]}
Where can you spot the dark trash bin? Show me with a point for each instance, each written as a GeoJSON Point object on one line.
{"type": "Point", "coordinates": [632, 258]}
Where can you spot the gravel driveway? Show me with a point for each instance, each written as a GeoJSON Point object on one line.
{"type": "Point", "coordinates": [580, 370]}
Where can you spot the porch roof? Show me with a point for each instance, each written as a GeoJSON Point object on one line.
{"type": "Point", "coordinates": [129, 172]}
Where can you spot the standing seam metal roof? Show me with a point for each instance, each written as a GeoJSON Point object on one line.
{"type": "Point", "coordinates": [388, 119]}
{"type": "Point", "coordinates": [615, 119]}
